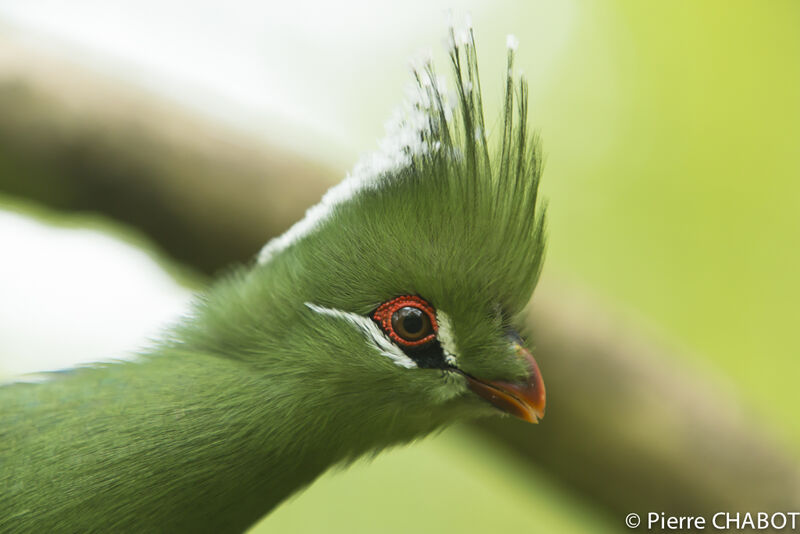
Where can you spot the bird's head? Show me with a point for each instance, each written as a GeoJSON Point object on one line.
{"type": "Point", "coordinates": [401, 288]}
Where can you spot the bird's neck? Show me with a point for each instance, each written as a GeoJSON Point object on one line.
{"type": "Point", "coordinates": [174, 442]}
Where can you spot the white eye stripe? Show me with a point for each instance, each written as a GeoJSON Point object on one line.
{"type": "Point", "coordinates": [381, 342]}
{"type": "Point", "coordinates": [446, 337]}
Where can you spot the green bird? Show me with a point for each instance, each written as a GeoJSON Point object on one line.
{"type": "Point", "coordinates": [385, 314]}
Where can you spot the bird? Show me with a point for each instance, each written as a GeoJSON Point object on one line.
{"type": "Point", "coordinates": [385, 314]}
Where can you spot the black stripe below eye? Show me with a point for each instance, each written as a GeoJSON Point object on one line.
{"type": "Point", "coordinates": [428, 356]}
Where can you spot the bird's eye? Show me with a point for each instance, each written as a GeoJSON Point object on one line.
{"type": "Point", "coordinates": [408, 320]}
{"type": "Point", "coordinates": [412, 324]}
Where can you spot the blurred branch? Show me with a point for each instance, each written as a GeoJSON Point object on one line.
{"type": "Point", "coordinates": [629, 423]}
{"type": "Point", "coordinates": [636, 425]}
{"type": "Point", "coordinates": [207, 195]}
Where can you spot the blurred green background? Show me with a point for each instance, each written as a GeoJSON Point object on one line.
{"type": "Point", "coordinates": [670, 132]}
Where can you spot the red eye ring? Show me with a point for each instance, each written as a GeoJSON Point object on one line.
{"type": "Point", "coordinates": [383, 316]}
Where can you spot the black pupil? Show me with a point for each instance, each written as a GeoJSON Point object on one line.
{"type": "Point", "coordinates": [411, 323]}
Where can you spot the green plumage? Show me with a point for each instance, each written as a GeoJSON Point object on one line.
{"type": "Point", "coordinates": [256, 394]}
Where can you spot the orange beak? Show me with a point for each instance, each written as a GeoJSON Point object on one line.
{"type": "Point", "coordinates": [525, 400]}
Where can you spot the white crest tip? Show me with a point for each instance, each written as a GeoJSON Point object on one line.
{"type": "Point", "coordinates": [468, 21]}
{"type": "Point", "coordinates": [512, 42]}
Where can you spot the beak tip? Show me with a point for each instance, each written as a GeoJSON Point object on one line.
{"type": "Point", "coordinates": [523, 400]}
{"type": "Point", "coordinates": [535, 393]}
{"type": "Point", "coordinates": [535, 414]}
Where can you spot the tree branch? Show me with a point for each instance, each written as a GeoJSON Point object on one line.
{"type": "Point", "coordinates": [207, 195]}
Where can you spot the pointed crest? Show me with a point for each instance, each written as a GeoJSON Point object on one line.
{"type": "Point", "coordinates": [439, 143]}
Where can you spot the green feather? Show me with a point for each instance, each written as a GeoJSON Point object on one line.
{"type": "Point", "coordinates": [255, 394]}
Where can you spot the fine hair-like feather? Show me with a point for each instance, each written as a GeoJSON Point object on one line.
{"type": "Point", "coordinates": [275, 376]}
{"type": "Point", "coordinates": [444, 141]}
